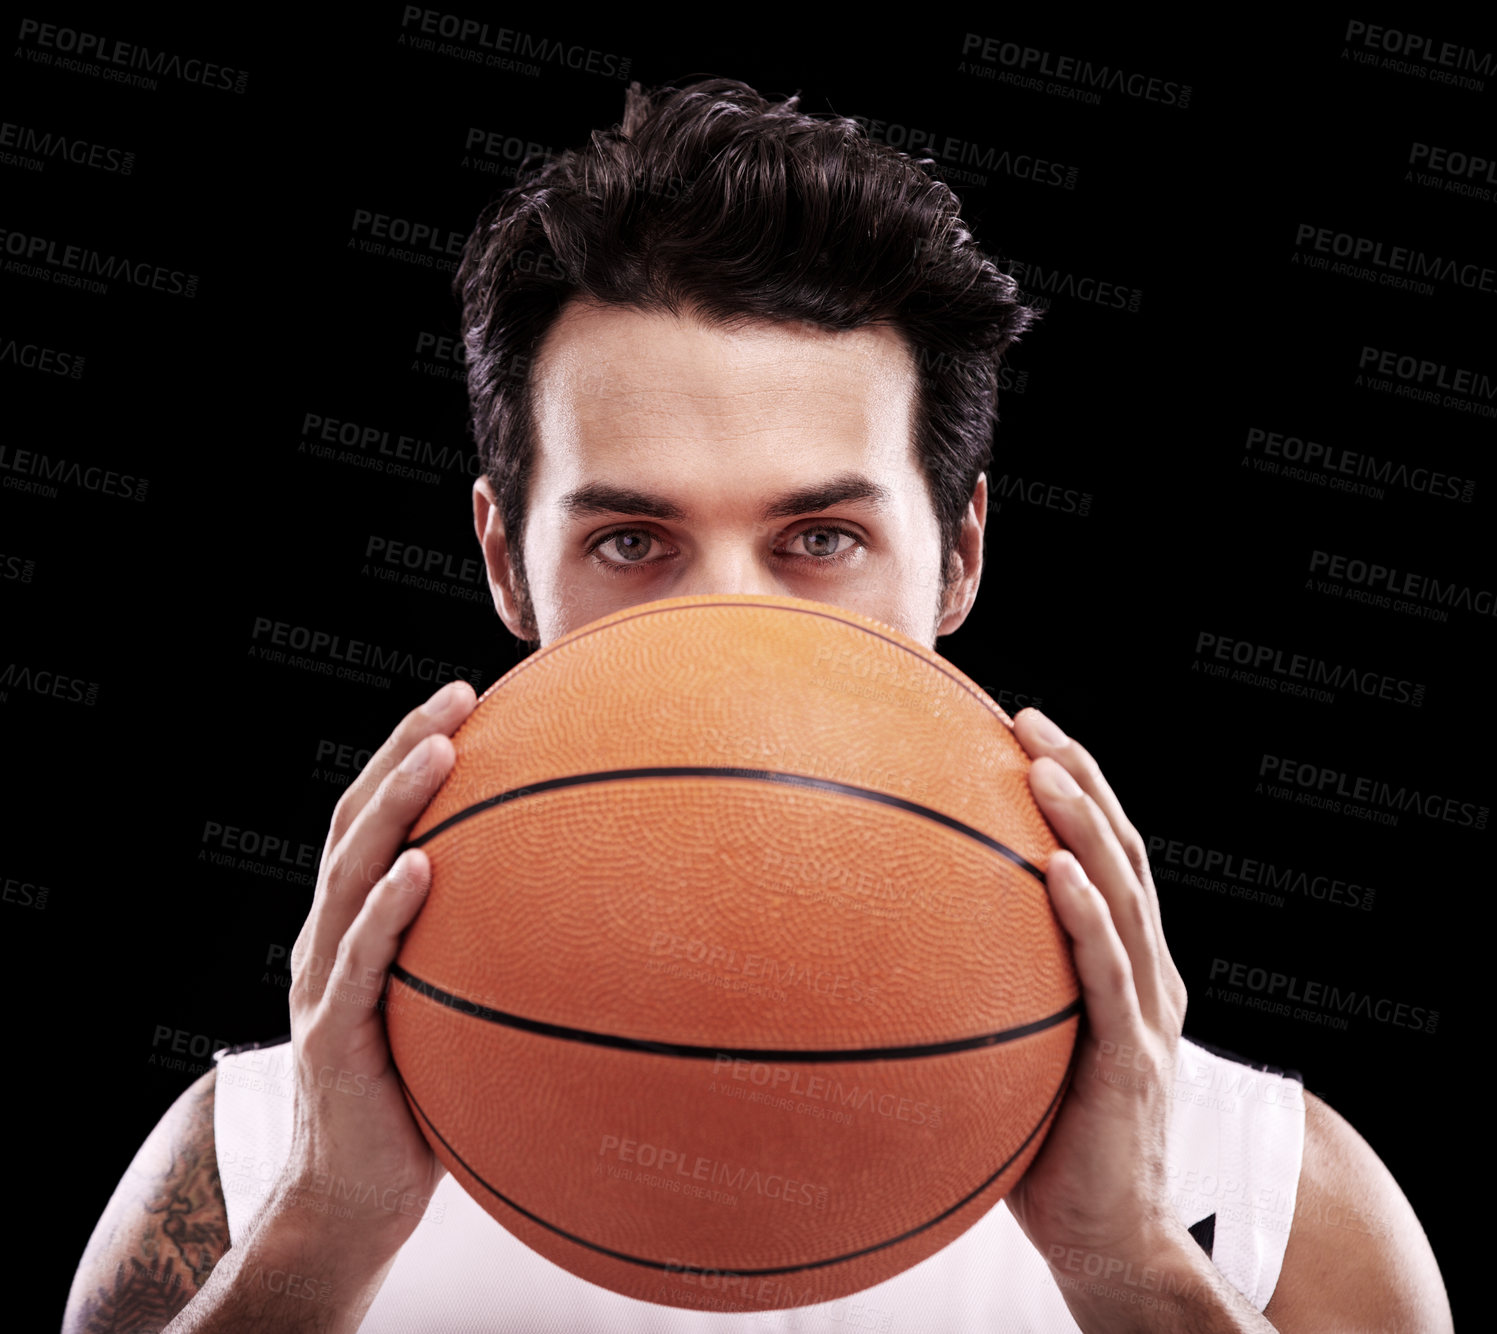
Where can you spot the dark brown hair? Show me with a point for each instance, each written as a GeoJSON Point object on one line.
{"type": "Point", "coordinates": [711, 199]}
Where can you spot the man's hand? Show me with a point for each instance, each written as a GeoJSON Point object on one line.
{"type": "Point", "coordinates": [353, 1139]}
{"type": "Point", "coordinates": [352, 1126]}
{"type": "Point", "coordinates": [1099, 1183]}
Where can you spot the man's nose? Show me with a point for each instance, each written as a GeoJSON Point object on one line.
{"type": "Point", "coordinates": [729, 568]}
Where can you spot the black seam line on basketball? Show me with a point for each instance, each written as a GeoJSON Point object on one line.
{"type": "Point", "coordinates": [966, 686]}
{"type": "Point", "coordinates": [692, 1052]}
{"type": "Point", "coordinates": [742, 1273]}
{"type": "Point", "coordinates": [727, 771]}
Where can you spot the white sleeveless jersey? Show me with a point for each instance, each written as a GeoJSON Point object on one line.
{"type": "Point", "coordinates": [1234, 1160]}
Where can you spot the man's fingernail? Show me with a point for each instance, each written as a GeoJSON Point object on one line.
{"type": "Point", "coordinates": [1047, 731]}
{"type": "Point", "coordinates": [407, 874]}
{"type": "Point", "coordinates": [418, 759]}
{"type": "Point", "coordinates": [1054, 779]}
{"type": "Point", "coordinates": [1069, 870]}
{"type": "Point", "coordinates": [439, 703]}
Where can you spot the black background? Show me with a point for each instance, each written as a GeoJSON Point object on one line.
{"type": "Point", "coordinates": [154, 601]}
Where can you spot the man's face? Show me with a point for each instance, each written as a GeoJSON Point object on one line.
{"type": "Point", "coordinates": [674, 459]}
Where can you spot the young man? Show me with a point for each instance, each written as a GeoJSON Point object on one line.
{"type": "Point", "coordinates": [728, 349]}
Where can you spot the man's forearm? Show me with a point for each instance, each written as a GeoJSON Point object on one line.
{"type": "Point", "coordinates": [1169, 1288]}
{"type": "Point", "coordinates": [285, 1280]}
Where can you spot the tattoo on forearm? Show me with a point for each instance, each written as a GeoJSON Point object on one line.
{"type": "Point", "coordinates": [191, 1209]}
{"type": "Point", "coordinates": [143, 1298]}
{"type": "Point", "coordinates": [183, 1234]}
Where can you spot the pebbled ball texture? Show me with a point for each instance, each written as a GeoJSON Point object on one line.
{"type": "Point", "coordinates": [755, 1035]}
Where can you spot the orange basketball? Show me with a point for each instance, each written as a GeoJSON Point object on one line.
{"type": "Point", "coordinates": [738, 986]}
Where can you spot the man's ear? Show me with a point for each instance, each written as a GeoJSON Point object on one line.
{"type": "Point", "coordinates": [504, 582]}
{"type": "Point", "coordinates": [962, 592]}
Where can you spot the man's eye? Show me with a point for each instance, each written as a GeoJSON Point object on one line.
{"type": "Point", "coordinates": [823, 545]}
{"type": "Point", "coordinates": [631, 546]}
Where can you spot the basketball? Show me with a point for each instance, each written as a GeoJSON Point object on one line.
{"type": "Point", "coordinates": [738, 985]}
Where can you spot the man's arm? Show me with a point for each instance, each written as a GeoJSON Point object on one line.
{"type": "Point", "coordinates": [1098, 1187]}
{"type": "Point", "coordinates": [1357, 1261]}
{"type": "Point", "coordinates": [162, 1231]}
{"type": "Point", "coordinates": [1357, 1258]}
{"type": "Point", "coordinates": [163, 1240]}
{"type": "Point", "coordinates": [294, 1269]}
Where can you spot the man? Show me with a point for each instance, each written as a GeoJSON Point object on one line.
{"type": "Point", "coordinates": [729, 348]}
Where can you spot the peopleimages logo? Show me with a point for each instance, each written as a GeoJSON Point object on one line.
{"type": "Point", "coordinates": [1042, 495]}
{"type": "Point", "coordinates": [19, 465]}
{"type": "Point", "coordinates": [1386, 583]}
{"type": "Point", "coordinates": [35, 357]}
{"type": "Point", "coordinates": [1395, 259]}
{"type": "Point", "coordinates": [335, 655]}
{"type": "Point", "coordinates": [1324, 785]}
{"type": "Point", "coordinates": [1335, 464]}
{"type": "Point", "coordinates": [377, 449]}
{"type": "Point", "coordinates": [1421, 380]}
{"type": "Point", "coordinates": [421, 237]}
{"type": "Point", "coordinates": [1248, 878]}
{"type": "Point", "coordinates": [952, 152]}
{"type": "Point", "coordinates": [1452, 162]}
{"type": "Point", "coordinates": [1034, 64]}
{"type": "Point", "coordinates": [79, 266]}
{"type": "Point", "coordinates": [495, 46]}
{"type": "Point", "coordinates": [108, 51]}
{"type": "Point", "coordinates": [1272, 991]}
{"type": "Point", "coordinates": [42, 681]}
{"type": "Point", "coordinates": [1422, 370]}
{"type": "Point", "coordinates": [1426, 57]}
{"type": "Point", "coordinates": [1038, 284]}
{"type": "Point", "coordinates": [788, 1080]}
{"type": "Point", "coordinates": [687, 1166]}
{"type": "Point", "coordinates": [1294, 669]}
{"type": "Point", "coordinates": [1451, 172]}
{"type": "Point", "coordinates": [41, 145]}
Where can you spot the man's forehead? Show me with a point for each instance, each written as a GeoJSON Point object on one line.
{"type": "Point", "coordinates": [672, 404]}
{"type": "Point", "coordinates": [613, 351]}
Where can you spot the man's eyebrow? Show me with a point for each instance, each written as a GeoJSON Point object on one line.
{"type": "Point", "coordinates": [849, 487]}
{"type": "Point", "coordinates": [600, 498]}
